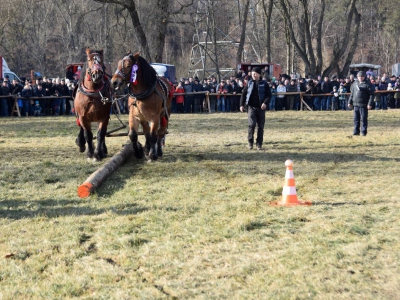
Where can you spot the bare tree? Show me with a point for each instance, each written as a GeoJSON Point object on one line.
{"type": "Point", "coordinates": [243, 32]}
{"type": "Point", "coordinates": [303, 40]}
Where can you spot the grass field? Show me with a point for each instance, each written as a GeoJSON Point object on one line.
{"type": "Point", "coordinates": [197, 224]}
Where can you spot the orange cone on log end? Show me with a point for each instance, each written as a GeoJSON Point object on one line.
{"type": "Point", "coordinates": [289, 195]}
{"type": "Point", "coordinates": [85, 189]}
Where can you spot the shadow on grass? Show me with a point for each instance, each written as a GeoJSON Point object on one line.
{"type": "Point", "coordinates": [272, 155]}
{"type": "Point", "coordinates": [49, 208]}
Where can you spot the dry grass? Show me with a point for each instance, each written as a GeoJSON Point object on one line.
{"type": "Point", "coordinates": [197, 224]}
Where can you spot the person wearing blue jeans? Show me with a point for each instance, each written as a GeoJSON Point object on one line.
{"type": "Point", "coordinates": [221, 89]}
{"type": "Point", "coordinates": [361, 98]}
{"type": "Point", "coordinates": [383, 86]}
{"type": "Point", "coordinates": [325, 89]}
{"type": "Point", "coordinates": [273, 97]}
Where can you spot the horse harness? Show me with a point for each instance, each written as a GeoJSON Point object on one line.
{"type": "Point", "coordinates": [96, 93]}
{"type": "Point", "coordinates": [147, 93]}
{"type": "Point", "coordinates": [105, 87]}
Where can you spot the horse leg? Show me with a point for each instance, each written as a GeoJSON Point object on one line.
{"type": "Point", "coordinates": [89, 141]}
{"type": "Point", "coordinates": [133, 136]}
{"type": "Point", "coordinates": [153, 155]}
{"type": "Point", "coordinates": [101, 136]}
{"type": "Point", "coordinates": [161, 134]}
{"type": "Point", "coordinates": [80, 140]}
{"type": "Point", "coordinates": [146, 132]}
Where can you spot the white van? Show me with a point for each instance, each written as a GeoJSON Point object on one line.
{"type": "Point", "coordinates": [5, 70]}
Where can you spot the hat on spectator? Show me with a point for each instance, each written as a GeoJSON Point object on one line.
{"type": "Point", "coordinates": [361, 74]}
{"type": "Point", "coordinates": [333, 76]}
{"type": "Point", "coordinates": [36, 102]}
{"type": "Point", "coordinates": [257, 70]}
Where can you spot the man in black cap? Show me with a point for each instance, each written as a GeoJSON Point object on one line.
{"type": "Point", "coordinates": [256, 95]}
{"type": "Point", "coordinates": [361, 98]}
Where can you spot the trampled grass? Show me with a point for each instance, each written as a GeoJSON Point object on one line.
{"type": "Point", "coordinates": [197, 224]}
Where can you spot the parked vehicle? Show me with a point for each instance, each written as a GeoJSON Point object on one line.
{"type": "Point", "coordinates": [374, 69]}
{"type": "Point", "coordinates": [165, 70]}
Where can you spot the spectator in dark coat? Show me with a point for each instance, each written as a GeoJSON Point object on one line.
{"type": "Point", "coordinates": [362, 99]}
{"type": "Point", "coordinates": [198, 99]}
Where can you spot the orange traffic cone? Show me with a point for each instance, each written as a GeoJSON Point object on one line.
{"type": "Point", "coordinates": [289, 195]}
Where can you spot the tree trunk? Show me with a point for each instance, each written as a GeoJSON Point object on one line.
{"type": "Point", "coordinates": [268, 14]}
{"type": "Point", "coordinates": [243, 33]}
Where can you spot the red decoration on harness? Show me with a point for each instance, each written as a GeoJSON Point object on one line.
{"type": "Point", "coordinates": [88, 78]}
{"type": "Point", "coordinates": [77, 122]}
{"type": "Point", "coordinates": [164, 121]}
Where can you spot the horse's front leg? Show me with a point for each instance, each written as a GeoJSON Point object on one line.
{"type": "Point", "coordinates": [89, 140]}
{"type": "Point", "coordinates": [153, 154]}
{"type": "Point", "coordinates": [101, 137]}
{"type": "Point", "coordinates": [146, 133]}
{"type": "Point", "coordinates": [80, 140]}
{"type": "Point", "coordinates": [133, 136]}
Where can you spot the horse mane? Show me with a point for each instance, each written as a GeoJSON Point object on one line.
{"type": "Point", "coordinates": [83, 73]}
{"type": "Point", "coordinates": [149, 75]}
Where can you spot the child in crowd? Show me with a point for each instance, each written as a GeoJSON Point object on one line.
{"type": "Point", "coordinates": [280, 98]}
{"type": "Point", "coordinates": [37, 109]}
{"type": "Point", "coordinates": [335, 99]}
{"type": "Point", "coordinates": [390, 98]}
{"type": "Point", "coordinates": [342, 97]}
{"type": "Point", "coordinates": [180, 98]}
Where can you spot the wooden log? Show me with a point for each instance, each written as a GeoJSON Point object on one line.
{"type": "Point", "coordinates": [98, 177]}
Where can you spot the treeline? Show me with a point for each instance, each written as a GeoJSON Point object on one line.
{"type": "Point", "coordinates": [306, 36]}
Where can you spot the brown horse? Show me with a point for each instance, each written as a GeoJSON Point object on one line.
{"type": "Point", "coordinates": [149, 103]}
{"type": "Point", "coordinates": [92, 103]}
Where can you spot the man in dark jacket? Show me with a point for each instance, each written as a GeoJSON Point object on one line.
{"type": "Point", "coordinates": [362, 99]}
{"type": "Point", "coordinates": [198, 99]}
{"type": "Point", "coordinates": [256, 95]}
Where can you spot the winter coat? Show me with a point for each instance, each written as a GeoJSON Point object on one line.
{"type": "Point", "coordinates": [362, 94]}
{"type": "Point", "coordinates": [179, 98]}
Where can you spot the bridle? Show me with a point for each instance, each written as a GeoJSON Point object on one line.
{"type": "Point", "coordinates": [97, 64]}
{"type": "Point", "coordinates": [121, 72]}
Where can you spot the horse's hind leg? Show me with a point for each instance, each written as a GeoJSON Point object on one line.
{"type": "Point", "coordinates": [80, 140]}
{"type": "Point", "coordinates": [161, 135]}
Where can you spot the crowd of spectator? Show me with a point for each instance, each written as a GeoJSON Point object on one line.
{"type": "Point", "coordinates": [26, 89]}
{"type": "Point", "coordinates": [318, 93]}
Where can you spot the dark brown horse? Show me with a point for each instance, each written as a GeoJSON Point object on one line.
{"type": "Point", "coordinates": [92, 103]}
{"type": "Point", "coordinates": [149, 103]}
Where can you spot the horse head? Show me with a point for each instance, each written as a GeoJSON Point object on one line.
{"type": "Point", "coordinates": [123, 74]}
{"type": "Point", "coordinates": [95, 69]}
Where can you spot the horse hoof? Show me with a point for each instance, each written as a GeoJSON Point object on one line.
{"type": "Point", "coordinates": [139, 154]}
{"type": "Point", "coordinates": [82, 149]}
